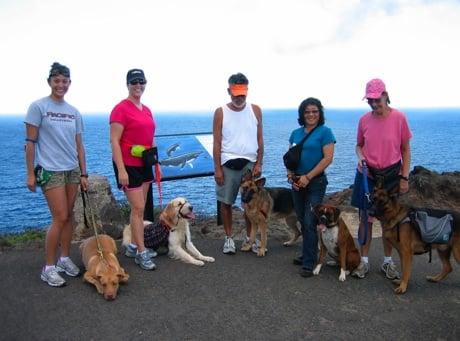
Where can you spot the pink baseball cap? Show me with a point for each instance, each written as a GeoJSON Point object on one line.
{"type": "Point", "coordinates": [374, 88]}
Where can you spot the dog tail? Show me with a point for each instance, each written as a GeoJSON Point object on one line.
{"type": "Point", "coordinates": [126, 236]}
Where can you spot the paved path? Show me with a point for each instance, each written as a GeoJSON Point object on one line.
{"type": "Point", "coordinates": [239, 297]}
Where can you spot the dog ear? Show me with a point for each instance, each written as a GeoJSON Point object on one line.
{"type": "Point", "coordinates": [122, 276]}
{"type": "Point", "coordinates": [260, 182]}
{"type": "Point", "coordinates": [94, 281]}
{"type": "Point", "coordinates": [168, 214]}
{"type": "Point", "coordinates": [379, 182]}
{"type": "Point", "coordinates": [247, 176]}
{"type": "Point", "coordinates": [336, 213]}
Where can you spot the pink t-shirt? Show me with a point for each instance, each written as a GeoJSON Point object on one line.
{"type": "Point", "coordinates": [139, 129]}
{"type": "Point", "coordinates": [381, 138]}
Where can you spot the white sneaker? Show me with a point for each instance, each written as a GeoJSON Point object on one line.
{"type": "Point", "coordinates": [229, 246]}
{"type": "Point", "coordinates": [68, 267]}
{"type": "Point", "coordinates": [52, 277]}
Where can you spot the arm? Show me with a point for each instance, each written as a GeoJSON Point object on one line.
{"type": "Point", "coordinates": [406, 156]}
{"type": "Point", "coordinates": [116, 130]}
{"type": "Point", "coordinates": [31, 135]}
{"type": "Point", "coordinates": [82, 162]}
{"type": "Point", "coordinates": [359, 154]}
{"type": "Point", "coordinates": [328, 156]}
{"type": "Point", "coordinates": [257, 170]}
{"type": "Point", "coordinates": [217, 146]}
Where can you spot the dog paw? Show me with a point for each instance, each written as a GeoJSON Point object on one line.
{"type": "Point", "coordinates": [343, 275]}
{"type": "Point", "coordinates": [261, 253]}
{"type": "Point", "coordinates": [400, 290]}
{"type": "Point", "coordinates": [316, 270]}
{"type": "Point", "coordinates": [288, 243]}
{"type": "Point", "coordinates": [199, 263]}
{"type": "Point", "coordinates": [209, 259]}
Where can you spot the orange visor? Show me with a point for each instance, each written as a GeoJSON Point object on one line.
{"type": "Point", "coordinates": [239, 89]}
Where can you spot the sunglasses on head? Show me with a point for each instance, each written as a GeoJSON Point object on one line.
{"type": "Point", "coordinates": [138, 81]}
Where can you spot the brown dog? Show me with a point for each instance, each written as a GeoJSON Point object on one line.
{"type": "Point", "coordinates": [262, 203]}
{"type": "Point", "coordinates": [406, 238]}
{"type": "Point", "coordinates": [335, 240]}
{"type": "Point", "coordinates": [103, 272]}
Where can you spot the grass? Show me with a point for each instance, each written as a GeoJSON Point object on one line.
{"type": "Point", "coordinates": [15, 239]}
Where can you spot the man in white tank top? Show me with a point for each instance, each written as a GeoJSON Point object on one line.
{"type": "Point", "coordinates": [238, 146]}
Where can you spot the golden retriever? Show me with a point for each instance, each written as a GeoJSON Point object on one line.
{"type": "Point", "coordinates": [105, 272]}
{"type": "Point", "coordinates": [172, 230]}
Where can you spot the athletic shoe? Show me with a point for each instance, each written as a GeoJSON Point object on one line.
{"type": "Point", "coordinates": [361, 271]}
{"type": "Point", "coordinates": [52, 277]}
{"type": "Point", "coordinates": [132, 251]}
{"type": "Point", "coordinates": [332, 263]}
{"type": "Point", "coordinates": [144, 261]}
{"type": "Point", "coordinates": [68, 267]}
{"type": "Point", "coordinates": [229, 246]}
{"type": "Point", "coordinates": [305, 273]}
{"type": "Point", "coordinates": [297, 260]}
{"type": "Point", "coordinates": [390, 271]}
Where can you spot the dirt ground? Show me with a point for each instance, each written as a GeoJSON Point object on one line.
{"type": "Point", "coordinates": [208, 228]}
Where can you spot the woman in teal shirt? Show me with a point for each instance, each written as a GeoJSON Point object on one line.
{"type": "Point", "coordinates": [309, 180]}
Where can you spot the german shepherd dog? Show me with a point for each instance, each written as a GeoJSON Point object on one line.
{"type": "Point", "coordinates": [262, 203]}
{"type": "Point", "coordinates": [406, 238]}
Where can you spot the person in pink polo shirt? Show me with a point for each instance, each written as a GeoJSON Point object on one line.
{"type": "Point", "coordinates": [383, 143]}
{"type": "Point", "coordinates": [132, 125]}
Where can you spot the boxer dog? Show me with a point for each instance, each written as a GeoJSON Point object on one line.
{"type": "Point", "coordinates": [336, 240]}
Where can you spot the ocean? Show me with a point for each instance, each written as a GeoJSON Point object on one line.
{"type": "Point", "coordinates": [435, 145]}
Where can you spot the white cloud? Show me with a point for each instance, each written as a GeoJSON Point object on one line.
{"type": "Point", "coordinates": [289, 50]}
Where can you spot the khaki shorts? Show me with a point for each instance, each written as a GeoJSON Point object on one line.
{"type": "Point", "coordinates": [228, 192]}
{"type": "Point", "coordinates": [59, 179]}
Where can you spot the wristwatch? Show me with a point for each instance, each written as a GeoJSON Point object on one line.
{"type": "Point", "coordinates": [84, 175]}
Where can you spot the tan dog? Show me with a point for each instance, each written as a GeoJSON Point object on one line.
{"type": "Point", "coordinates": [406, 238]}
{"type": "Point", "coordinates": [104, 273]}
{"type": "Point", "coordinates": [335, 240]}
{"type": "Point", "coordinates": [264, 203]}
{"type": "Point", "coordinates": [172, 230]}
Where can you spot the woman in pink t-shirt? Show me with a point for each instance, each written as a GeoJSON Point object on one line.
{"type": "Point", "coordinates": [132, 124]}
{"type": "Point", "coordinates": [383, 143]}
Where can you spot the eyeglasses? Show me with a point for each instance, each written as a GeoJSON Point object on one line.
{"type": "Point", "coordinates": [374, 100]}
{"type": "Point", "coordinates": [138, 81]}
{"type": "Point", "coordinates": [314, 112]}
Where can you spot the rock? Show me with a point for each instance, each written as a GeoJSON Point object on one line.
{"type": "Point", "coordinates": [105, 209]}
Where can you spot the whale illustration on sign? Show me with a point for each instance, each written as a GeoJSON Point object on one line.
{"type": "Point", "coordinates": [179, 160]}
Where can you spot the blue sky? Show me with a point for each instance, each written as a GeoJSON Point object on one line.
{"type": "Point", "coordinates": [289, 50]}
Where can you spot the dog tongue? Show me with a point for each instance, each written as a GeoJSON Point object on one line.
{"type": "Point", "coordinates": [321, 227]}
{"type": "Point", "coordinates": [190, 215]}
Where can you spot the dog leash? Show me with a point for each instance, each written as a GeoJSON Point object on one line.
{"type": "Point", "coordinates": [364, 216]}
{"type": "Point", "coordinates": [87, 206]}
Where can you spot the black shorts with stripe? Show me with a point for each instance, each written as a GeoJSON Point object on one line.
{"type": "Point", "coordinates": [136, 175]}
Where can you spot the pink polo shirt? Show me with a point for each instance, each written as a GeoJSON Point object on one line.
{"type": "Point", "coordinates": [381, 138]}
{"type": "Point", "coordinates": [139, 129]}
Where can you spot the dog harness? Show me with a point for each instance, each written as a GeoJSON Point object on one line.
{"type": "Point", "coordinates": [156, 235]}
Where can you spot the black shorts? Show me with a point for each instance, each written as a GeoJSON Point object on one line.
{"type": "Point", "coordinates": [136, 175]}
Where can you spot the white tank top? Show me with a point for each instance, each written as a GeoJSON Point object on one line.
{"type": "Point", "coordinates": [239, 134]}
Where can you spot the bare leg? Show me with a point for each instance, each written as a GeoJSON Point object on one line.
{"type": "Point", "coordinates": [67, 231]}
{"type": "Point", "coordinates": [365, 248]}
{"type": "Point", "coordinates": [226, 212]}
{"type": "Point", "coordinates": [136, 200]}
{"type": "Point", "coordinates": [57, 203]}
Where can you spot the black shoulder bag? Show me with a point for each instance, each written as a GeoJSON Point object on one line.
{"type": "Point", "coordinates": [292, 157]}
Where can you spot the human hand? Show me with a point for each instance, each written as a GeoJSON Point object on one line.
{"type": "Point", "coordinates": [219, 176]}
{"type": "Point", "coordinates": [303, 181]}
{"type": "Point", "coordinates": [123, 178]}
{"type": "Point", "coordinates": [403, 186]}
{"type": "Point", "coordinates": [256, 170]}
{"type": "Point", "coordinates": [31, 182]}
{"type": "Point", "coordinates": [84, 183]}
